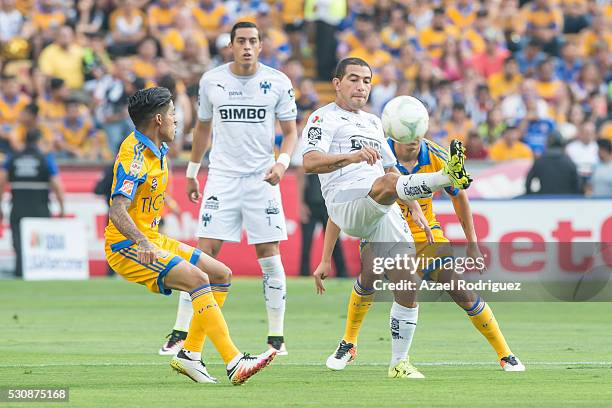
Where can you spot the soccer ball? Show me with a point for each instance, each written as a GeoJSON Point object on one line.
{"type": "Point", "coordinates": [405, 119]}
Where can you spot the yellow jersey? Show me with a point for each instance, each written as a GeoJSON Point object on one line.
{"type": "Point", "coordinates": [430, 160]}
{"type": "Point", "coordinates": [211, 19]}
{"type": "Point", "coordinates": [10, 109]}
{"type": "Point", "coordinates": [140, 174]}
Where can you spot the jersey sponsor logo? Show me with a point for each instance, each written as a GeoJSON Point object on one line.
{"type": "Point", "coordinates": [265, 86]}
{"type": "Point", "coordinates": [359, 142]}
{"type": "Point", "coordinates": [154, 184]}
{"type": "Point", "coordinates": [273, 207]}
{"type": "Point", "coordinates": [242, 113]}
{"type": "Point", "coordinates": [152, 203]}
{"type": "Point", "coordinates": [211, 203]}
{"type": "Point", "coordinates": [127, 187]}
{"type": "Point", "coordinates": [234, 93]}
{"type": "Point", "coordinates": [314, 135]}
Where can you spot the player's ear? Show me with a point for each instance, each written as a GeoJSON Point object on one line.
{"type": "Point", "coordinates": [336, 82]}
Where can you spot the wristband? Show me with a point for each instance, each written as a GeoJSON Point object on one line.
{"type": "Point", "coordinates": [192, 170]}
{"type": "Point", "coordinates": [284, 159]}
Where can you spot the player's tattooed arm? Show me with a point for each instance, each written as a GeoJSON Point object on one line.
{"type": "Point", "coordinates": [319, 162]}
{"type": "Point", "coordinates": [121, 219]}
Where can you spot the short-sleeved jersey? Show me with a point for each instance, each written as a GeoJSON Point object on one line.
{"type": "Point", "coordinates": [430, 160]}
{"type": "Point", "coordinates": [140, 174]}
{"type": "Point", "coordinates": [243, 111]}
{"type": "Point", "coordinates": [333, 130]}
{"type": "Point", "coordinates": [10, 109]}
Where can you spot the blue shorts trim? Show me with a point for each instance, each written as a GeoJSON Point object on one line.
{"type": "Point", "coordinates": [160, 279]}
{"type": "Point", "coordinates": [437, 264]}
{"type": "Point", "coordinates": [195, 256]}
{"type": "Point", "coordinates": [121, 245]}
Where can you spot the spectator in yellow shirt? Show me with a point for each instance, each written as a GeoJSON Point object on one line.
{"type": "Point", "coordinates": [433, 38]}
{"type": "Point", "coordinates": [373, 53]}
{"type": "Point", "coordinates": [174, 40]}
{"type": "Point", "coordinates": [63, 59]}
{"type": "Point", "coordinates": [354, 39]}
{"type": "Point", "coordinates": [473, 36]}
{"type": "Point", "coordinates": [597, 34]}
{"type": "Point", "coordinates": [548, 87]}
{"type": "Point", "coordinates": [46, 18]}
{"type": "Point", "coordinates": [212, 17]}
{"type": "Point", "coordinates": [127, 28]}
{"type": "Point", "coordinates": [52, 105]}
{"type": "Point", "coordinates": [459, 124]}
{"type": "Point", "coordinates": [398, 32]}
{"type": "Point", "coordinates": [462, 14]}
{"type": "Point", "coordinates": [509, 147]}
{"type": "Point", "coordinates": [506, 82]}
{"type": "Point", "coordinates": [160, 17]}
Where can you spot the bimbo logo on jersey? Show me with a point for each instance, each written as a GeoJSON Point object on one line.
{"type": "Point", "coordinates": [359, 142]}
{"type": "Point", "coordinates": [242, 113]}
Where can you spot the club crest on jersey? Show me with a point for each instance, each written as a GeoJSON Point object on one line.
{"type": "Point", "coordinates": [154, 184]}
{"type": "Point", "coordinates": [206, 219]}
{"type": "Point", "coordinates": [265, 86]}
{"type": "Point", "coordinates": [273, 207]}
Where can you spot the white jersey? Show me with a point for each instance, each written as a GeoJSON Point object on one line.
{"type": "Point", "coordinates": [244, 112]}
{"type": "Point", "coordinates": [333, 130]}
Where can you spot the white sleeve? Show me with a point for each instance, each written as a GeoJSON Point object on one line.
{"type": "Point", "coordinates": [388, 159]}
{"type": "Point", "coordinates": [317, 134]}
{"type": "Point", "coordinates": [286, 109]}
{"type": "Point", "coordinates": [205, 108]}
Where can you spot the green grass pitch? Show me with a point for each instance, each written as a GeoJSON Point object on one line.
{"type": "Point", "coordinates": [100, 338]}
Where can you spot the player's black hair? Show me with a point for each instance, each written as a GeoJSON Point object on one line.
{"type": "Point", "coordinates": [243, 24]}
{"type": "Point", "coordinates": [146, 103]}
{"type": "Point", "coordinates": [341, 67]}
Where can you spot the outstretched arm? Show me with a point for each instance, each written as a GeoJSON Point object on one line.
{"type": "Point", "coordinates": [332, 232]}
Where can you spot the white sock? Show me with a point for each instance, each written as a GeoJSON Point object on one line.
{"type": "Point", "coordinates": [275, 291]}
{"type": "Point", "coordinates": [403, 321]}
{"type": "Point", "coordinates": [183, 313]}
{"type": "Point", "coordinates": [234, 361]}
{"type": "Point", "coordinates": [193, 355]}
{"type": "Point", "coordinates": [421, 185]}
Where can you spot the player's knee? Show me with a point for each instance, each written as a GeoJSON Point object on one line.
{"type": "Point", "coordinates": [209, 247]}
{"type": "Point", "coordinates": [383, 190]}
{"type": "Point", "coordinates": [198, 278]}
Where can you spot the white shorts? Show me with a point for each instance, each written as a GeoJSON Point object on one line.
{"type": "Point", "coordinates": [358, 215]}
{"type": "Point", "coordinates": [229, 203]}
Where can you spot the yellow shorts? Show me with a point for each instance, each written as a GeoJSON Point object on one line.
{"type": "Point", "coordinates": [438, 254]}
{"type": "Point", "coordinates": [121, 256]}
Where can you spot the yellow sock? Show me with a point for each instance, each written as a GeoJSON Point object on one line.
{"type": "Point", "coordinates": [220, 292]}
{"type": "Point", "coordinates": [359, 304]}
{"type": "Point", "coordinates": [485, 322]}
{"type": "Point", "coordinates": [208, 319]}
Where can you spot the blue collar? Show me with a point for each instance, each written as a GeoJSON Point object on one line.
{"type": "Point", "coordinates": [159, 153]}
{"type": "Point", "coordinates": [422, 160]}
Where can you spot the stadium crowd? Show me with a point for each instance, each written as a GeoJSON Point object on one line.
{"type": "Point", "coordinates": [500, 75]}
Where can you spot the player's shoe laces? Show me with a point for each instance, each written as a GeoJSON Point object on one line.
{"type": "Point", "coordinates": [344, 354]}
{"type": "Point", "coordinates": [404, 369]}
{"type": "Point", "coordinates": [194, 369]}
{"type": "Point", "coordinates": [455, 166]}
{"type": "Point", "coordinates": [174, 344]}
{"type": "Point", "coordinates": [278, 343]}
{"type": "Point", "coordinates": [511, 363]}
{"type": "Point", "coordinates": [248, 366]}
